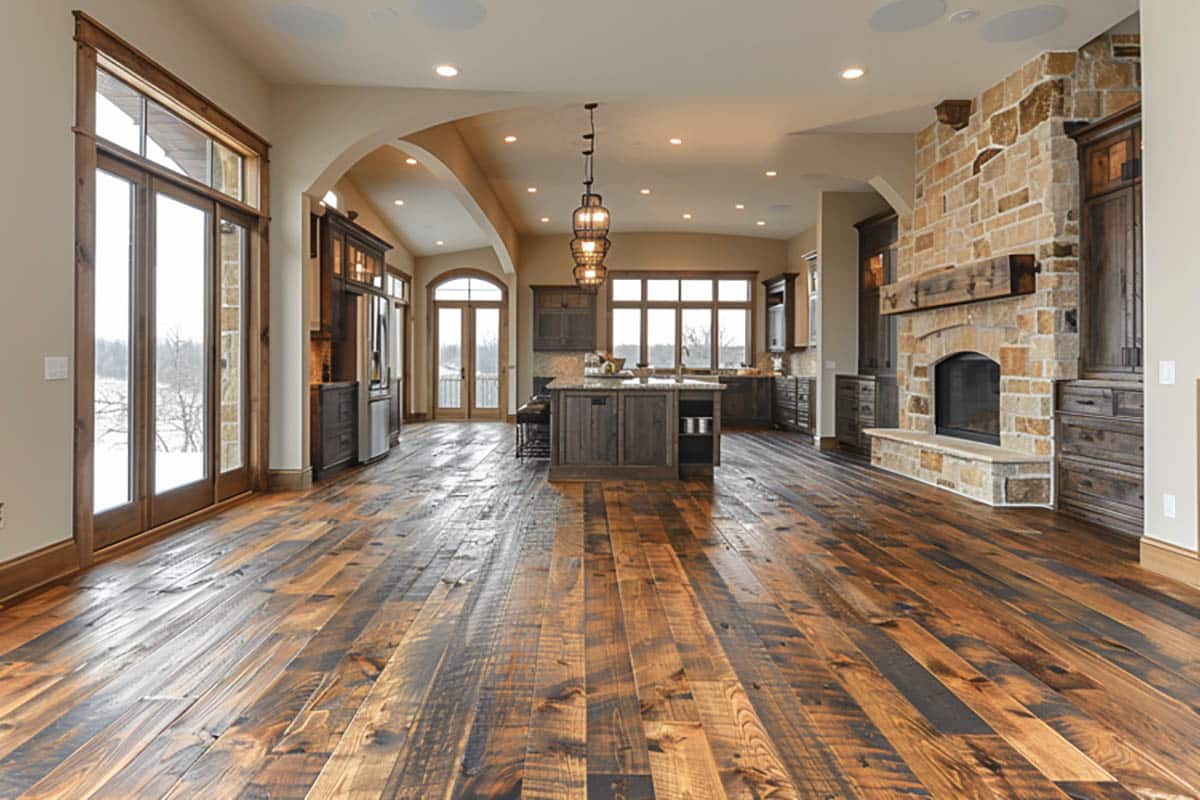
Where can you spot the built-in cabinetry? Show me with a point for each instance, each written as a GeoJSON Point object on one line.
{"type": "Point", "coordinates": [1099, 418]}
{"type": "Point", "coordinates": [787, 312]}
{"type": "Point", "coordinates": [793, 403]}
{"type": "Point", "coordinates": [746, 401]}
{"type": "Point", "coordinates": [333, 426]}
{"type": "Point", "coordinates": [871, 399]}
{"type": "Point", "coordinates": [352, 374]}
{"type": "Point", "coordinates": [864, 402]}
{"type": "Point", "coordinates": [564, 319]}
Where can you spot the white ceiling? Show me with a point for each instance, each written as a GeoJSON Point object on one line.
{"type": "Point", "coordinates": [430, 212]}
{"type": "Point", "coordinates": [733, 79]}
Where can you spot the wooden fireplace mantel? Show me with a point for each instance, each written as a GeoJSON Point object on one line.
{"type": "Point", "coordinates": [1006, 276]}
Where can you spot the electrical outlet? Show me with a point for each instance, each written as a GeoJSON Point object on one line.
{"type": "Point", "coordinates": [1166, 373]}
{"type": "Point", "coordinates": [1169, 506]}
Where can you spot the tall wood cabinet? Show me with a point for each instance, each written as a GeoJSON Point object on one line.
{"type": "Point", "coordinates": [787, 312]}
{"type": "Point", "coordinates": [871, 399]}
{"type": "Point", "coordinates": [1099, 417]}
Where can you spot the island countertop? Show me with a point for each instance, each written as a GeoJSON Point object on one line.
{"type": "Point", "coordinates": [591, 384]}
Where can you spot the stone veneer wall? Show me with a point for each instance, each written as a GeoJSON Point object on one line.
{"type": "Point", "coordinates": [1005, 184]}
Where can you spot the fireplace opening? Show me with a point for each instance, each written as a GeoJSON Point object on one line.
{"type": "Point", "coordinates": [967, 401]}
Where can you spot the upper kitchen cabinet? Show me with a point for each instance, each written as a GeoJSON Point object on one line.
{"type": "Point", "coordinates": [351, 257]}
{"type": "Point", "coordinates": [877, 238]}
{"type": "Point", "coordinates": [788, 312]}
{"type": "Point", "coordinates": [564, 319]}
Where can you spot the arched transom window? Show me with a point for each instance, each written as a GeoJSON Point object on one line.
{"type": "Point", "coordinates": [475, 290]}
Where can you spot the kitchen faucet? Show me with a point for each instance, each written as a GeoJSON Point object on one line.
{"type": "Point", "coordinates": [684, 353]}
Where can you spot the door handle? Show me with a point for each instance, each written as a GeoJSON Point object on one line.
{"type": "Point", "coordinates": [463, 373]}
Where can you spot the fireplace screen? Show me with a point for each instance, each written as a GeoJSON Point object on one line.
{"type": "Point", "coordinates": [968, 398]}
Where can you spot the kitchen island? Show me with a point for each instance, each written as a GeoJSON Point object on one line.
{"type": "Point", "coordinates": [609, 428]}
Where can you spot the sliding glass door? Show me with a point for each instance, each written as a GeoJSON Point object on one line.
{"type": "Point", "coordinates": [170, 380]}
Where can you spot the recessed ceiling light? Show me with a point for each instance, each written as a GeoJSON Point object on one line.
{"type": "Point", "coordinates": [510, 138]}
{"type": "Point", "coordinates": [412, 162]}
{"type": "Point", "coordinates": [645, 191]}
{"type": "Point", "coordinates": [740, 206]}
{"type": "Point", "coordinates": [439, 243]}
{"type": "Point", "coordinates": [398, 202]}
{"type": "Point", "coordinates": [853, 73]}
{"type": "Point", "coordinates": [771, 173]}
{"type": "Point", "coordinates": [532, 190]}
{"type": "Point", "coordinates": [675, 140]}
{"type": "Point", "coordinates": [761, 223]}
{"type": "Point", "coordinates": [545, 219]}
{"type": "Point", "coordinates": [964, 16]}
{"type": "Point", "coordinates": [687, 216]}
{"type": "Point", "coordinates": [446, 70]}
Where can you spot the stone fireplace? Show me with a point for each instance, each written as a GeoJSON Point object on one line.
{"type": "Point", "coordinates": [1006, 183]}
{"type": "Point", "coordinates": [967, 398]}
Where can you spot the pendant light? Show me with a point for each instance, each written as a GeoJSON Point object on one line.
{"type": "Point", "coordinates": [590, 221]}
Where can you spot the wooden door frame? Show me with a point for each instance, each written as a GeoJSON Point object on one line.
{"type": "Point", "coordinates": [432, 305]}
{"type": "Point", "coordinates": [95, 44]}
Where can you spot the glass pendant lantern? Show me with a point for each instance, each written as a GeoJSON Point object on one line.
{"type": "Point", "coordinates": [590, 221]}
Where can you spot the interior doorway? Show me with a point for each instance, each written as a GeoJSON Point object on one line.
{"type": "Point", "coordinates": [469, 358]}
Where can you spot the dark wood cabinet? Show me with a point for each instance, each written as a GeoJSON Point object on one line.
{"type": "Point", "coordinates": [746, 401]}
{"type": "Point", "coordinates": [793, 403]}
{"type": "Point", "coordinates": [787, 312]}
{"type": "Point", "coordinates": [333, 426]}
{"type": "Point", "coordinates": [864, 402]}
{"type": "Point", "coordinates": [1100, 452]}
{"type": "Point", "coordinates": [350, 256]}
{"type": "Point", "coordinates": [1110, 312]}
{"type": "Point", "coordinates": [877, 340]}
{"type": "Point", "coordinates": [1099, 419]}
{"type": "Point", "coordinates": [564, 319]}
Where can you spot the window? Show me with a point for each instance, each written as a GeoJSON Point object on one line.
{"type": "Point", "coordinates": [468, 290]}
{"type": "Point", "coordinates": [129, 119]}
{"type": "Point", "coordinates": [397, 287]}
{"type": "Point", "coordinates": [330, 199]}
{"type": "Point", "coordinates": [698, 321]}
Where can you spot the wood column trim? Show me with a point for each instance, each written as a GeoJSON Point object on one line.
{"type": "Point", "coordinates": [85, 302]}
{"type": "Point", "coordinates": [1172, 561]}
{"type": "Point", "coordinates": [290, 480]}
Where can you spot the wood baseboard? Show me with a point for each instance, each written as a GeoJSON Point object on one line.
{"type": "Point", "coordinates": [24, 574]}
{"type": "Point", "coordinates": [827, 443]}
{"type": "Point", "coordinates": [1172, 561]}
{"type": "Point", "coordinates": [290, 480]}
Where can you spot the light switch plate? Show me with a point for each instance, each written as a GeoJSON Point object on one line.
{"type": "Point", "coordinates": [830, 365]}
{"type": "Point", "coordinates": [1166, 373]}
{"type": "Point", "coordinates": [1169, 506]}
{"type": "Point", "coordinates": [57, 368]}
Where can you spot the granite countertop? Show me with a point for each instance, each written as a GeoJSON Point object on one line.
{"type": "Point", "coordinates": [634, 385]}
{"type": "Point", "coordinates": [333, 384]}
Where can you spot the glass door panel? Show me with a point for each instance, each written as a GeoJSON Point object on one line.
{"type": "Point", "coordinates": [180, 349]}
{"type": "Point", "coordinates": [113, 399]}
{"type": "Point", "coordinates": [486, 362]}
{"type": "Point", "coordinates": [450, 367]}
{"type": "Point", "coordinates": [233, 316]}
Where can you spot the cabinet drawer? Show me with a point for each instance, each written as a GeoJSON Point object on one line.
{"type": "Point", "coordinates": [1130, 403]}
{"type": "Point", "coordinates": [847, 430]}
{"type": "Point", "coordinates": [1101, 485]}
{"type": "Point", "coordinates": [1102, 439]}
{"type": "Point", "coordinates": [1078, 399]}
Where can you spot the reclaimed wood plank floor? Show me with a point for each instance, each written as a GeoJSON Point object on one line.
{"type": "Point", "coordinates": [449, 624]}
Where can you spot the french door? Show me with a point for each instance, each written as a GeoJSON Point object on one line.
{"type": "Point", "coordinates": [468, 360]}
{"type": "Point", "coordinates": [171, 388]}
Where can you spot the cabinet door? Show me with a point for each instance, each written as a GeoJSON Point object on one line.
{"type": "Point", "coordinates": [646, 434]}
{"type": "Point", "coordinates": [1112, 290]}
{"type": "Point", "coordinates": [547, 328]}
{"type": "Point", "coordinates": [589, 429]}
{"type": "Point", "coordinates": [776, 328]}
{"type": "Point", "coordinates": [578, 329]}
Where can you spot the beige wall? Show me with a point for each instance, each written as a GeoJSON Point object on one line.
{"type": "Point", "coordinates": [837, 242]}
{"type": "Point", "coordinates": [547, 260]}
{"type": "Point", "coordinates": [1170, 63]}
{"type": "Point", "coordinates": [429, 269]}
{"type": "Point", "coordinates": [38, 165]}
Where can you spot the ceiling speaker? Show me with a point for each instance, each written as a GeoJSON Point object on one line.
{"type": "Point", "coordinates": [306, 23]}
{"type": "Point", "coordinates": [901, 16]}
{"type": "Point", "coordinates": [1023, 23]}
{"type": "Point", "coordinates": [450, 15]}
